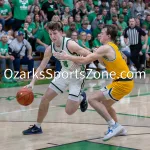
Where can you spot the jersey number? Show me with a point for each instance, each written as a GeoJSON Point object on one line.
{"type": "Point", "coordinates": [65, 64]}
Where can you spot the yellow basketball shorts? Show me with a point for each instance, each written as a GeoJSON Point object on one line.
{"type": "Point", "coordinates": [117, 89]}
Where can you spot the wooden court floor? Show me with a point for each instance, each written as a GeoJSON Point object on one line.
{"type": "Point", "coordinates": [81, 131]}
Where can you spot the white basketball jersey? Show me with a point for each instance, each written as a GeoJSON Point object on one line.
{"type": "Point", "coordinates": [67, 65]}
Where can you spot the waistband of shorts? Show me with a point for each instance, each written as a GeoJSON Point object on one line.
{"type": "Point", "coordinates": [124, 79]}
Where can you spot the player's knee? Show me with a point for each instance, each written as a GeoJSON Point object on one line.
{"type": "Point", "coordinates": [44, 101]}
{"type": "Point", "coordinates": [92, 99]}
{"type": "Point", "coordinates": [69, 112]}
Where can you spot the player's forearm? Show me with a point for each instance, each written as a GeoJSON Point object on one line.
{"type": "Point", "coordinates": [37, 75]}
{"type": "Point", "coordinates": [84, 52]}
{"type": "Point", "coordinates": [87, 52]}
{"type": "Point", "coordinates": [78, 60]}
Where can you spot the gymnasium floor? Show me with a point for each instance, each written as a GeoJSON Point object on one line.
{"type": "Point", "coordinates": [81, 131]}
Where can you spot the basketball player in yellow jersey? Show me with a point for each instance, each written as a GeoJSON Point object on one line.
{"type": "Point", "coordinates": [121, 85]}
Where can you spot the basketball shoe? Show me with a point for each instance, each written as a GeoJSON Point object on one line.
{"type": "Point", "coordinates": [84, 103]}
{"type": "Point", "coordinates": [113, 131]}
{"type": "Point", "coordinates": [33, 130]}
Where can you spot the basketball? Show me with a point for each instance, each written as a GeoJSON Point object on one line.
{"type": "Point", "coordinates": [25, 96]}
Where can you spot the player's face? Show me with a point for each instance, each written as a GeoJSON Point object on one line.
{"type": "Point", "coordinates": [55, 35]}
{"type": "Point", "coordinates": [103, 36]}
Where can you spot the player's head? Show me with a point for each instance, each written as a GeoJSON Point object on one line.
{"type": "Point", "coordinates": [55, 30]}
{"type": "Point", "coordinates": [109, 33]}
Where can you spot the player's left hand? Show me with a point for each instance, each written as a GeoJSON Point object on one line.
{"type": "Point", "coordinates": [63, 55]}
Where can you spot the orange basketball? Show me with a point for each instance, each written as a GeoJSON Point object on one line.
{"type": "Point", "coordinates": [25, 96]}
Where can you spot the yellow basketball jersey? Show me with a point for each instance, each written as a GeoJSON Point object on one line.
{"type": "Point", "coordinates": [117, 67]}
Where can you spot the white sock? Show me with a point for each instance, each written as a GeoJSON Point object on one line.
{"type": "Point", "coordinates": [111, 122]}
{"type": "Point", "coordinates": [38, 125]}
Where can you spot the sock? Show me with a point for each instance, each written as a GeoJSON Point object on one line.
{"type": "Point", "coordinates": [111, 122]}
{"type": "Point", "coordinates": [38, 125]}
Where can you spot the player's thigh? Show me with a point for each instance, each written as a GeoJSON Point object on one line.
{"type": "Point", "coordinates": [75, 88]}
{"type": "Point", "coordinates": [49, 95]}
{"type": "Point", "coordinates": [59, 84]}
{"type": "Point", "coordinates": [99, 96]}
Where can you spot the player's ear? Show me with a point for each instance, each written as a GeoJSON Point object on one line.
{"type": "Point", "coordinates": [109, 36]}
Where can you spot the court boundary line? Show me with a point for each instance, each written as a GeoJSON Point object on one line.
{"type": "Point", "coordinates": [87, 140]}
{"type": "Point", "coordinates": [74, 123]}
{"type": "Point", "coordinates": [53, 144]}
{"type": "Point", "coordinates": [113, 145]}
{"type": "Point", "coordinates": [62, 106]}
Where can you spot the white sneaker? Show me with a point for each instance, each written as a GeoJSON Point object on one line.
{"type": "Point", "coordinates": [113, 131]}
{"type": "Point", "coordinates": [122, 133]}
{"type": "Point", "coordinates": [100, 66]}
{"type": "Point", "coordinates": [132, 68]}
{"type": "Point", "coordinates": [92, 65]}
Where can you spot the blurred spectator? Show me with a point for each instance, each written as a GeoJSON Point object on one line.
{"type": "Point", "coordinates": [10, 36]}
{"type": "Point", "coordinates": [70, 20]}
{"type": "Point", "coordinates": [74, 36]}
{"type": "Point", "coordinates": [105, 15]}
{"type": "Point", "coordinates": [72, 28]}
{"type": "Point", "coordinates": [126, 15]}
{"type": "Point", "coordinates": [122, 23]}
{"type": "Point", "coordinates": [82, 41]}
{"type": "Point", "coordinates": [56, 18]}
{"type": "Point", "coordinates": [139, 7]}
{"type": "Point", "coordinates": [78, 21]}
{"type": "Point", "coordinates": [43, 40]}
{"type": "Point", "coordinates": [66, 13]}
{"type": "Point", "coordinates": [20, 12]}
{"type": "Point", "coordinates": [104, 5]}
{"type": "Point", "coordinates": [37, 11]}
{"type": "Point", "coordinates": [137, 21]}
{"type": "Point", "coordinates": [147, 11]}
{"type": "Point", "coordinates": [5, 14]}
{"type": "Point", "coordinates": [96, 22]}
{"type": "Point", "coordinates": [147, 22]}
{"type": "Point", "coordinates": [49, 9]}
{"type": "Point", "coordinates": [89, 39]}
{"type": "Point", "coordinates": [22, 52]}
{"type": "Point", "coordinates": [65, 24]}
{"type": "Point", "coordinates": [96, 42]}
{"type": "Point", "coordinates": [77, 10]}
{"type": "Point", "coordinates": [98, 29]}
{"type": "Point", "coordinates": [94, 14]}
{"type": "Point", "coordinates": [68, 3]}
{"type": "Point", "coordinates": [5, 58]}
{"type": "Point", "coordinates": [90, 6]}
{"type": "Point", "coordinates": [1, 30]}
{"type": "Point", "coordinates": [84, 27]}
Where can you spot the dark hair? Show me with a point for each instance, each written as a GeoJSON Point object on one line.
{"type": "Point", "coordinates": [132, 18]}
{"type": "Point", "coordinates": [112, 31]}
{"type": "Point", "coordinates": [55, 25]}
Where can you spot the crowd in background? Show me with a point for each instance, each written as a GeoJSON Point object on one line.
{"type": "Point", "coordinates": [24, 31]}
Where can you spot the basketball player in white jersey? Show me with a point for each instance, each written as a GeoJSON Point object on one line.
{"type": "Point", "coordinates": [59, 84]}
